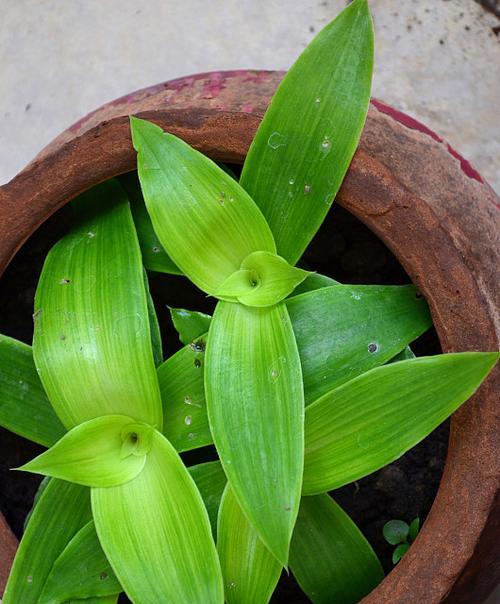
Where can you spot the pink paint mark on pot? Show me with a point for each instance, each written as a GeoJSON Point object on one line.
{"type": "Point", "coordinates": [406, 120]}
{"type": "Point", "coordinates": [467, 168]}
{"type": "Point", "coordinates": [414, 124]}
{"type": "Point", "coordinates": [247, 108]}
{"type": "Point", "coordinates": [214, 86]}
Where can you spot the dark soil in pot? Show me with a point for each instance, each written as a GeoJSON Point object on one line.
{"type": "Point", "coordinates": [344, 249]}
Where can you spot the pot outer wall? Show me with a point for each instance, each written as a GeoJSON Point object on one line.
{"type": "Point", "coordinates": [428, 205]}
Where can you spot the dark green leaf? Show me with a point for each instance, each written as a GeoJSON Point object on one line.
{"type": "Point", "coordinates": [62, 510]}
{"type": "Point", "coordinates": [395, 531]}
{"type": "Point", "coordinates": [24, 406]}
{"type": "Point", "coordinates": [154, 256]}
{"type": "Point", "coordinates": [399, 552]}
{"type": "Point", "coordinates": [311, 129]}
{"type": "Point", "coordinates": [189, 324]}
{"type": "Point", "coordinates": [313, 281]}
{"type": "Point", "coordinates": [211, 481]}
{"type": "Point", "coordinates": [404, 355]}
{"type": "Point", "coordinates": [414, 528]}
{"type": "Point", "coordinates": [183, 394]}
{"type": "Point", "coordinates": [153, 326]}
{"type": "Point", "coordinates": [41, 488]}
{"type": "Point", "coordinates": [81, 571]}
{"type": "Point", "coordinates": [344, 330]}
{"type": "Point", "coordinates": [375, 418]}
{"type": "Point", "coordinates": [329, 557]}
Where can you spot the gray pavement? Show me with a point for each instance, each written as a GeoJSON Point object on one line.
{"type": "Point", "coordinates": [439, 60]}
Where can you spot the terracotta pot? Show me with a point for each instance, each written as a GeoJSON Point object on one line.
{"type": "Point", "coordinates": [427, 204]}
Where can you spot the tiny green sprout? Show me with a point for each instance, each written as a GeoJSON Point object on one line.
{"type": "Point", "coordinates": [402, 535]}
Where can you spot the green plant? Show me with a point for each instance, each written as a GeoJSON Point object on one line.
{"type": "Point", "coordinates": [402, 535]}
{"type": "Point", "coordinates": [292, 415]}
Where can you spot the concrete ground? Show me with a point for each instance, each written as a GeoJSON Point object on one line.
{"type": "Point", "coordinates": [439, 60]}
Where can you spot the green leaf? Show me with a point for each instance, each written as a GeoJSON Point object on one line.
{"type": "Point", "coordinates": [92, 342]}
{"type": "Point", "coordinates": [375, 418]}
{"type": "Point", "coordinates": [264, 279]}
{"type": "Point", "coordinates": [211, 481]}
{"type": "Point", "coordinates": [395, 531]}
{"type": "Point", "coordinates": [24, 406]}
{"type": "Point", "coordinates": [205, 221]}
{"type": "Point", "coordinates": [185, 422]}
{"type": "Point", "coordinates": [154, 326]}
{"type": "Point", "coordinates": [311, 129]}
{"type": "Point", "coordinates": [329, 557]}
{"type": "Point", "coordinates": [41, 488]}
{"type": "Point", "coordinates": [62, 510]}
{"type": "Point", "coordinates": [249, 569]}
{"type": "Point", "coordinates": [106, 451]}
{"type": "Point", "coordinates": [414, 528]}
{"type": "Point", "coordinates": [255, 406]}
{"type": "Point", "coordinates": [189, 324]}
{"type": "Point", "coordinates": [314, 281]}
{"type": "Point", "coordinates": [154, 256]}
{"type": "Point", "coordinates": [399, 552]}
{"type": "Point", "coordinates": [81, 571]}
{"type": "Point", "coordinates": [334, 347]}
{"type": "Point", "coordinates": [156, 533]}
{"type": "Point", "coordinates": [345, 330]}
{"type": "Point", "coordinates": [404, 355]}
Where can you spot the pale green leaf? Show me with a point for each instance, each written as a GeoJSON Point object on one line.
{"type": "Point", "coordinates": [211, 481]}
{"type": "Point", "coordinates": [249, 569]}
{"type": "Point", "coordinates": [345, 330]}
{"type": "Point", "coordinates": [190, 324]}
{"type": "Point", "coordinates": [264, 279]}
{"type": "Point", "coordinates": [92, 343]}
{"type": "Point", "coordinates": [329, 557]}
{"type": "Point", "coordinates": [375, 418]}
{"type": "Point", "coordinates": [81, 571]}
{"type": "Point", "coordinates": [205, 221]}
{"type": "Point", "coordinates": [156, 533]}
{"type": "Point", "coordinates": [62, 510]}
{"type": "Point", "coordinates": [154, 256]}
{"type": "Point", "coordinates": [255, 405]}
{"type": "Point", "coordinates": [24, 406]}
{"type": "Point", "coordinates": [106, 451]}
{"type": "Point", "coordinates": [311, 129]}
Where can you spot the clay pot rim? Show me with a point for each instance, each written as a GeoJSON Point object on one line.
{"type": "Point", "coordinates": [91, 153]}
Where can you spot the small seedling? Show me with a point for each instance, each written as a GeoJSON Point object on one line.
{"type": "Point", "coordinates": [402, 535]}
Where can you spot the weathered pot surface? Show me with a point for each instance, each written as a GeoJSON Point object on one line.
{"type": "Point", "coordinates": [427, 204]}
